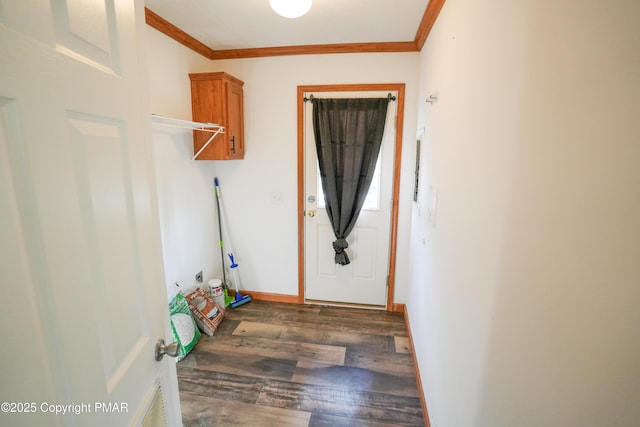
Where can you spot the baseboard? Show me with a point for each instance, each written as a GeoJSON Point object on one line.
{"type": "Point", "coordinates": [423, 401]}
{"type": "Point", "coordinates": [265, 296]}
{"type": "Point", "coordinates": [344, 304]}
{"type": "Point", "coordinates": [295, 299]}
{"type": "Point", "coordinates": [398, 308]}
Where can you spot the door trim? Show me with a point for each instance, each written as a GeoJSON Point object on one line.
{"type": "Point", "coordinates": [397, 163]}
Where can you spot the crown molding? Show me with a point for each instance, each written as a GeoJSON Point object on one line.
{"type": "Point", "coordinates": [159, 23]}
{"type": "Point", "coordinates": [315, 50]}
{"type": "Point", "coordinates": [428, 21]}
{"type": "Point", "coordinates": [426, 24]}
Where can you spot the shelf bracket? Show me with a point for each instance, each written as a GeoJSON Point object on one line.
{"type": "Point", "coordinates": [206, 144]}
{"type": "Point", "coordinates": [212, 128]}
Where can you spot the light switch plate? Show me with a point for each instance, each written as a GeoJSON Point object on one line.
{"type": "Point", "coordinates": [276, 198]}
{"type": "Point", "coordinates": [432, 203]}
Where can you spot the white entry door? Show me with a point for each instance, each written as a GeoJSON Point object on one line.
{"type": "Point", "coordinates": [364, 280]}
{"type": "Point", "coordinates": [83, 298]}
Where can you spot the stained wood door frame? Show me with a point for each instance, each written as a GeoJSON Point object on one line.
{"type": "Point", "coordinates": [397, 163]}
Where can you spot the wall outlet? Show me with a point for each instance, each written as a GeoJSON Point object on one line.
{"type": "Point", "coordinates": [199, 277]}
{"type": "Point", "coordinates": [276, 198]}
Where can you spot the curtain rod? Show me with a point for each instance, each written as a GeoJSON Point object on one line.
{"type": "Point", "coordinates": [311, 98]}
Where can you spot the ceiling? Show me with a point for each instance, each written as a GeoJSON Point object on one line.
{"type": "Point", "coordinates": [248, 28]}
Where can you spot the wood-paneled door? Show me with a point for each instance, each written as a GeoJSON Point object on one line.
{"type": "Point", "coordinates": [81, 269]}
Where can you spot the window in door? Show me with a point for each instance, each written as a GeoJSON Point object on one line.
{"type": "Point", "coordinates": [371, 203]}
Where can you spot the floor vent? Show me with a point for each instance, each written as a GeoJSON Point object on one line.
{"type": "Point", "coordinates": [155, 416]}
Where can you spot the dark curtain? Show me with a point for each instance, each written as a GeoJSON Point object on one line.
{"type": "Point", "coordinates": [348, 134]}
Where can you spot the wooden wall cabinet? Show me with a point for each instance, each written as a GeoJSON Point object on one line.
{"type": "Point", "coordinates": [217, 98]}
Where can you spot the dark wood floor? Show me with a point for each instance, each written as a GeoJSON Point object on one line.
{"type": "Point", "coordinates": [273, 364]}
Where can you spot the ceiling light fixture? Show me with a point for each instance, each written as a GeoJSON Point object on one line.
{"type": "Point", "coordinates": [290, 8]}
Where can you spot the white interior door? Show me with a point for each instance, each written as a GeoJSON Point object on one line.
{"type": "Point", "coordinates": [364, 280]}
{"type": "Point", "coordinates": [80, 263]}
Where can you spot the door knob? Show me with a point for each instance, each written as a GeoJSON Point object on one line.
{"type": "Point", "coordinates": [312, 213]}
{"type": "Point", "coordinates": [168, 349]}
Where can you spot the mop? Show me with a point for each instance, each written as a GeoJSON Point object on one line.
{"type": "Point", "coordinates": [239, 299]}
{"type": "Point", "coordinates": [228, 299]}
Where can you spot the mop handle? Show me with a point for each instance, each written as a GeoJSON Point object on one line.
{"type": "Point", "coordinates": [224, 276]}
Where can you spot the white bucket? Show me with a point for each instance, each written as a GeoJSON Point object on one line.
{"type": "Point", "coordinates": [216, 291]}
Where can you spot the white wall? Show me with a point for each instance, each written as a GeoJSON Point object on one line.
{"type": "Point", "coordinates": [263, 234]}
{"type": "Point", "coordinates": [185, 188]}
{"type": "Point", "coordinates": [525, 294]}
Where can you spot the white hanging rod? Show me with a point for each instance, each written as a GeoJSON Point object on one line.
{"type": "Point", "coordinates": [186, 124]}
{"type": "Point", "coordinates": [169, 121]}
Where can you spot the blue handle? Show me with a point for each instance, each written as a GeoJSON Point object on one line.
{"type": "Point", "coordinates": [233, 263]}
{"type": "Point", "coordinates": [215, 181]}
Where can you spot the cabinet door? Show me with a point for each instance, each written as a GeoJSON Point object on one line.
{"type": "Point", "coordinates": [217, 98]}
{"type": "Point", "coordinates": [208, 107]}
{"type": "Point", "coordinates": [235, 122]}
